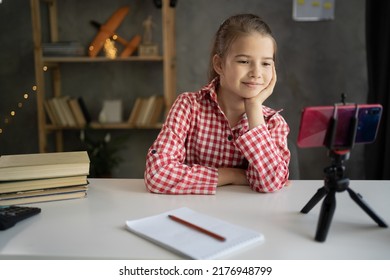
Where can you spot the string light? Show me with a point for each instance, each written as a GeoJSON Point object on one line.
{"type": "Point", "coordinates": [109, 49]}
{"type": "Point", "coordinates": [13, 112]}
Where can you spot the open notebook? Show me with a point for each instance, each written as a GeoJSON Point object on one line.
{"type": "Point", "coordinates": [191, 243]}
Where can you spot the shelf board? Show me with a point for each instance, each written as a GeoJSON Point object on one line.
{"type": "Point", "coordinates": [73, 59]}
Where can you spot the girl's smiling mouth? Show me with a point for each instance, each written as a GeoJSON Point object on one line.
{"type": "Point", "coordinates": [252, 84]}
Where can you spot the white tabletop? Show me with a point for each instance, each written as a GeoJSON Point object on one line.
{"type": "Point", "coordinates": [93, 228]}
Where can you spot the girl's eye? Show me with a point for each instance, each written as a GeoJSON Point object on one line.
{"type": "Point", "coordinates": [243, 61]}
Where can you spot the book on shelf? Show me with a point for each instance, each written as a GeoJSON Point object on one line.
{"type": "Point", "coordinates": [56, 106]}
{"type": "Point", "coordinates": [65, 107]}
{"type": "Point", "coordinates": [77, 112]}
{"type": "Point", "coordinates": [187, 240]}
{"type": "Point", "coordinates": [135, 111]}
{"type": "Point", "coordinates": [43, 165]}
{"type": "Point", "coordinates": [156, 115]}
{"type": "Point", "coordinates": [67, 111]}
{"type": "Point", "coordinates": [142, 119]}
{"type": "Point", "coordinates": [63, 48]}
{"type": "Point", "coordinates": [51, 112]}
{"type": "Point", "coordinates": [43, 195]}
{"type": "Point", "coordinates": [84, 109]}
{"type": "Point", "coordinates": [38, 184]}
{"type": "Point", "coordinates": [146, 111]}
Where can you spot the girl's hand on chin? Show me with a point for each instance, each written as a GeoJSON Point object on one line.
{"type": "Point", "coordinates": [268, 90]}
{"type": "Point", "coordinates": [264, 94]}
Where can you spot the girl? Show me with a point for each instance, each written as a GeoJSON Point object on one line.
{"type": "Point", "coordinates": [223, 134]}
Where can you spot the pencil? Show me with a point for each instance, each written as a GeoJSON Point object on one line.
{"type": "Point", "coordinates": [198, 228]}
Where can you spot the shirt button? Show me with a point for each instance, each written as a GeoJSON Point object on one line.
{"type": "Point", "coordinates": [153, 151]}
{"type": "Point", "coordinates": [230, 138]}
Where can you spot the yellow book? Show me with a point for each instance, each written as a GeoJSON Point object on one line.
{"type": "Point", "coordinates": [51, 113]}
{"type": "Point", "coordinates": [37, 184]}
{"type": "Point", "coordinates": [157, 111]}
{"type": "Point", "coordinates": [44, 165]}
{"type": "Point", "coordinates": [44, 196]}
{"type": "Point", "coordinates": [142, 115]}
{"type": "Point", "coordinates": [70, 120]}
{"type": "Point", "coordinates": [42, 192]}
{"type": "Point", "coordinates": [135, 111]}
{"type": "Point", "coordinates": [56, 108]}
{"type": "Point", "coordinates": [77, 112]}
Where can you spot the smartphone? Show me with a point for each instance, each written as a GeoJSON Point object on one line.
{"type": "Point", "coordinates": [316, 125]}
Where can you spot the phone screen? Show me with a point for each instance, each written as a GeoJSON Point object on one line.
{"type": "Point", "coordinates": [316, 124]}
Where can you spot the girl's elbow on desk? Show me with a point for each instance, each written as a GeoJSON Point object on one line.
{"type": "Point", "coordinates": [269, 187]}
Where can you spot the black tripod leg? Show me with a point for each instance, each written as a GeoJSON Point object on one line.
{"type": "Point", "coordinates": [327, 210]}
{"type": "Point", "coordinates": [359, 200]}
{"type": "Point", "coordinates": [314, 200]}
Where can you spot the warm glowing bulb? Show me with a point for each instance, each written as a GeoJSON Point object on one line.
{"type": "Point", "coordinates": [109, 49]}
{"type": "Point", "coordinates": [45, 68]}
{"type": "Point", "coordinates": [114, 37]}
{"type": "Point", "coordinates": [1, 130]}
{"type": "Point", "coordinates": [34, 88]}
{"type": "Point", "coordinates": [20, 104]}
{"type": "Point", "coordinates": [13, 113]}
{"type": "Point", "coordinates": [25, 96]}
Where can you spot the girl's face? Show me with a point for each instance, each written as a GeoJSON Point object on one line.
{"type": "Point", "coordinates": [247, 67]}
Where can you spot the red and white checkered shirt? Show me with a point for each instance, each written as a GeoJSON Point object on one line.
{"type": "Point", "coordinates": [196, 139]}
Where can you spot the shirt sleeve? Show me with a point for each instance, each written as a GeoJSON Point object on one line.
{"type": "Point", "coordinates": [166, 171]}
{"type": "Point", "coordinates": [265, 148]}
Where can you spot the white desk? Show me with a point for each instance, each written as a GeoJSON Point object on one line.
{"type": "Point", "coordinates": [93, 228]}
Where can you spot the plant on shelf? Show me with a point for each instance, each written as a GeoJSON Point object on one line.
{"type": "Point", "coordinates": [103, 152]}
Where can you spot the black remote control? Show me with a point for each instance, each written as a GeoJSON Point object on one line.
{"type": "Point", "coordinates": [10, 215]}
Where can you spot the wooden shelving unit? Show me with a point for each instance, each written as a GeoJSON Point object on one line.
{"type": "Point", "coordinates": [167, 59]}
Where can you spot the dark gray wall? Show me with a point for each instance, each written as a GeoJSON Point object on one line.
{"type": "Point", "coordinates": [316, 62]}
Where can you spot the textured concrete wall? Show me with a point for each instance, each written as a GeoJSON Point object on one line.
{"type": "Point", "coordinates": [317, 61]}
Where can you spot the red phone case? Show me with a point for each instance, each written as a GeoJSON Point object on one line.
{"type": "Point", "coordinates": [315, 122]}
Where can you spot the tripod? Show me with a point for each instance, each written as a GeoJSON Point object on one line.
{"type": "Point", "coordinates": [336, 181]}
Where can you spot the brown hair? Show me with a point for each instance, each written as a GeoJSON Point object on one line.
{"type": "Point", "coordinates": [233, 28]}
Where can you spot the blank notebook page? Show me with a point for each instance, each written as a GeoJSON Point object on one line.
{"type": "Point", "coordinates": [189, 242]}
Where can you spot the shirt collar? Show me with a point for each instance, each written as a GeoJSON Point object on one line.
{"type": "Point", "coordinates": [211, 89]}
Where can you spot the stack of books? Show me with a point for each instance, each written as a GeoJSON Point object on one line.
{"type": "Point", "coordinates": [32, 178]}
